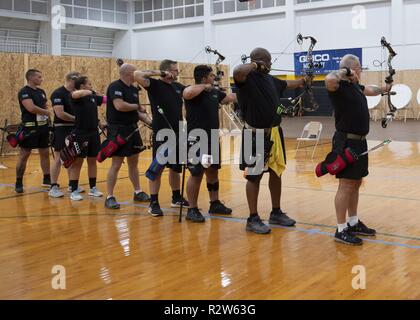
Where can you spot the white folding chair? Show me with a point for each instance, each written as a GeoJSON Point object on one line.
{"type": "Point", "coordinates": [312, 133]}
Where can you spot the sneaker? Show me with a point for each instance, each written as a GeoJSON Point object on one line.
{"type": "Point", "coordinates": [75, 196]}
{"type": "Point", "coordinates": [93, 192]}
{"type": "Point", "coordinates": [346, 237]}
{"type": "Point", "coordinates": [361, 229]}
{"type": "Point", "coordinates": [281, 218]}
{"type": "Point", "coordinates": [217, 207]}
{"type": "Point", "coordinates": [255, 224]}
{"type": "Point", "coordinates": [18, 187]}
{"type": "Point", "coordinates": [55, 192]}
{"type": "Point", "coordinates": [111, 203]}
{"type": "Point", "coordinates": [176, 203]}
{"type": "Point", "coordinates": [195, 215]}
{"type": "Point", "coordinates": [141, 196]}
{"type": "Point", "coordinates": [79, 189]}
{"type": "Point", "coordinates": [46, 182]}
{"type": "Point", "coordinates": [154, 209]}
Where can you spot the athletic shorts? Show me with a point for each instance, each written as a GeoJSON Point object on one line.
{"type": "Point", "coordinates": [60, 134]}
{"type": "Point", "coordinates": [91, 138]}
{"type": "Point", "coordinates": [133, 145]}
{"type": "Point", "coordinates": [358, 169]}
{"type": "Point", "coordinates": [38, 137]}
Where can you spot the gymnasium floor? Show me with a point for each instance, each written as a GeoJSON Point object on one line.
{"type": "Point", "coordinates": [128, 254]}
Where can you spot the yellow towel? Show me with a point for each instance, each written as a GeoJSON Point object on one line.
{"type": "Point", "coordinates": [276, 160]}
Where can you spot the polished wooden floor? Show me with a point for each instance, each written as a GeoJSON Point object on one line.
{"type": "Point", "coordinates": [128, 254]}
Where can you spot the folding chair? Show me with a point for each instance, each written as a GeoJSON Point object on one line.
{"type": "Point", "coordinates": [311, 132]}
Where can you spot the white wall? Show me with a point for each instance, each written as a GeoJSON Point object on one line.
{"type": "Point", "coordinates": [178, 43]}
{"type": "Point", "coordinates": [331, 25]}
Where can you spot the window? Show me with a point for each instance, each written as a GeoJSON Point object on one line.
{"type": "Point", "coordinates": [227, 6]}
{"type": "Point", "coordinates": [162, 10]}
{"type": "Point", "coordinates": [113, 11]}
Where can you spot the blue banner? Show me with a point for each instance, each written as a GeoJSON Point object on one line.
{"type": "Point", "coordinates": [327, 60]}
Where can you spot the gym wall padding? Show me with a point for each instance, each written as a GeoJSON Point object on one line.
{"type": "Point", "coordinates": [102, 71]}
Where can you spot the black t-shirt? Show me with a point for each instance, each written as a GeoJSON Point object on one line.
{"type": "Point", "coordinates": [203, 110]}
{"type": "Point", "coordinates": [130, 94]}
{"type": "Point", "coordinates": [259, 97]}
{"type": "Point", "coordinates": [350, 108]}
{"type": "Point", "coordinates": [85, 110]}
{"type": "Point", "coordinates": [169, 98]}
{"type": "Point", "coordinates": [61, 97]}
{"type": "Point", "coordinates": [39, 98]}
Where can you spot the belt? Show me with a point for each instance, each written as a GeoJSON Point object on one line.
{"type": "Point", "coordinates": [34, 123]}
{"type": "Point", "coordinates": [63, 125]}
{"type": "Point", "coordinates": [353, 136]}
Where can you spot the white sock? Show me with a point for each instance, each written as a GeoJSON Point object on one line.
{"type": "Point", "coordinates": [110, 196]}
{"type": "Point", "coordinates": [341, 226]}
{"type": "Point", "coordinates": [353, 221]}
{"type": "Point", "coordinates": [137, 191]}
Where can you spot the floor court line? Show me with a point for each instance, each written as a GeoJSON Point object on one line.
{"type": "Point", "coordinates": [242, 220]}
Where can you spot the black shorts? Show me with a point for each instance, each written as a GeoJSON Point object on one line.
{"type": "Point", "coordinates": [243, 165]}
{"type": "Point", "coordinates": [177, 167]}
{"type": "Point", "coordinates": [133, 145]}
{"type": "Point", "coordinates": [93, 142]}
{"type": "Point", "coordinates": [60, 134]}
{"type": "Point", "coordinates": [358, 169]}
{"type": "Point", "coordinates": [38, 137]}
{"type": "Point", "coordinates": [197, 168]}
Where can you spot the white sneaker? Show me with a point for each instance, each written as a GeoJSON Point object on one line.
{"type": "Point", "coordinates": [75, 196]}
{"type": "Point", "coordinates": [95, 192]}
{"type": "Point", "coordinates": [79, 189]}
{"type": "Point", "coordinates": [55, 192]}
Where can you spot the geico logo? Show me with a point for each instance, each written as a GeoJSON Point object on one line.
{"type": "Point", "coordinates": [316, 58]}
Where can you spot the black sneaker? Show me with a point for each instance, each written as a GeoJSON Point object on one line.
{"type": "Point", "coordinates": [111, 203]}
{"type": "Point", "coordinates": [217, 207]}
{"type": "Point", "coordinates": [255, 224]}
{"type": "Point", "coordinates": [195, 215]}
{"type": "Point", "coordinates": [348, 238]}
{"type": "Point", "coordinates": [155, 210]}
{"type": "Point", "coordinates": [141, 197]}
{"type": "Point", "coordinates": [176, 203]}
{"type": "Point", "coordinates": [46, 182]}
{"type": "Point", "coordinates": [19, 187]}
{"type": "Point", "coordinates": [361, 229]}
{"type": "Point", "coordinates": [281, 218]}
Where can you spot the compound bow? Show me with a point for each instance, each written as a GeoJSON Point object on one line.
{"type": "Point", "coordinates": [306, 98]}
{"type": "Point", "coordinates": [219, 72]}
{"type": "Point", "coordinates": [389, 80]}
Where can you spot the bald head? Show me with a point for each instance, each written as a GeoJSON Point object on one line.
{"type": "Point", "coordinates": [127, 69]}
{"type": "Point", "coordinates": [261, 54]}
{"type": "Point", "coordinates": [350, 61]}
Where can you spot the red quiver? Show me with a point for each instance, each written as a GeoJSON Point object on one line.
{"type": "Point", "coordinates": [109, 147]}
{"type": "Point", "coordinates": [335, 162]}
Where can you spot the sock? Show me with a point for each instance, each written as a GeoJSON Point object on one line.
{"type": "Point", "coordinates": [110, 196]}
{"type": "Point", "coordinates": [341, 226]}
{"type": "Point", "coordinates": [137, 191]}
{"type": "Point", "coordinates": [276, 210]}
{"type": "Point", "coordinates": [153, 198]}
{"type": "Point", "coordinates": [253, 215]}
{"type": "Point", "coordinates": [19, 181]}
{"type": "Point", "coordinates": [352, 221]}
{"type": "Point", "coordinates": [92, 182]}
{"type": "Point", "coordinates": [176, 194]}
{"type": "Point", "coordinates": [53, 185]}
{"type": "Point", "coordinates": [47, 177]}
{"type": "Point", "coordinates": [74, 184]}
